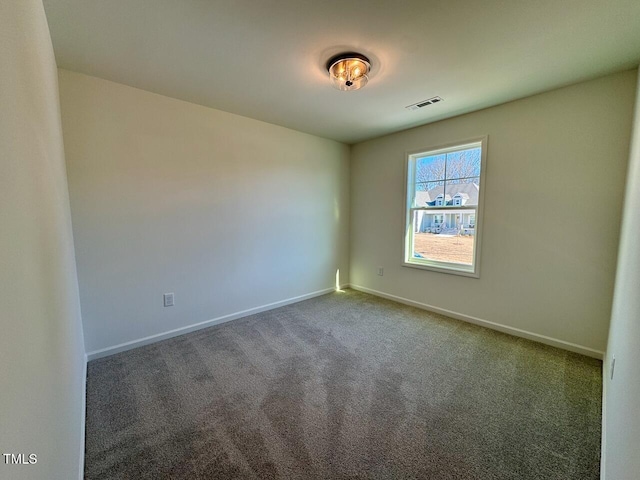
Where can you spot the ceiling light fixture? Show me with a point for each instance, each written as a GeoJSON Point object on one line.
{"type": "Point", "coordinates": [349, 71]}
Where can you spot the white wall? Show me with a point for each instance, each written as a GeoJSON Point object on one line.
{"type": "Point", "coordinates": [621, 441]}
{"type": "Point", "coordinates": [41, 347]}
{"type": "Point", "coordinates": [554, 186]}
{"type": "Point", "coordinates": [227, 212]}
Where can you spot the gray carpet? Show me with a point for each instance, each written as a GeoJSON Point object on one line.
{"type": "Point", "coordinates": [346, 385]}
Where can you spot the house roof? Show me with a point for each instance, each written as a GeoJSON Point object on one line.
{"type": "Point", "coordinates": [466, 190]}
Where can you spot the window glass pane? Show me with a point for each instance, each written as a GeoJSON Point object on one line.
{"type": "Point", "coordinates": [463, 164]}
{"type": "Point", "coordinates": [443, 237]}
{"type": "Point", "coordinates": [430, 169]}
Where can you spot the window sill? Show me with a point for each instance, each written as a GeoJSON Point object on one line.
{"type": "Point", "coordinates": [441, 267]}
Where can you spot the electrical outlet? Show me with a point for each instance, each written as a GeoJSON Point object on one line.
{"type": "Point", "coordinates": [168, 299]}
{"type": "Point", "coordinates": [613, 365]}
{"type": "Point", "coordinates": [380, 271]}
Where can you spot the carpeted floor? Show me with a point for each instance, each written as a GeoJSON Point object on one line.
{"type": "Point", "coordinates": [346, 385]}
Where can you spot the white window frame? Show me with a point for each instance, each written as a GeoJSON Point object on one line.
{"type": "Point", "coordinates": [438, 266]}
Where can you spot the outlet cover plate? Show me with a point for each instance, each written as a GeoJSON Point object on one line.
{"type": "Point", "coordinates": [168, 299]}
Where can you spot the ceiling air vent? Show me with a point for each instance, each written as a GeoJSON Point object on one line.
{"type": "Point", "coordinates": [424, 103]}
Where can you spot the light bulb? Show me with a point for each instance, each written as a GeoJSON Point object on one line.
{"type": "Point", "coordinates": [349, 72]}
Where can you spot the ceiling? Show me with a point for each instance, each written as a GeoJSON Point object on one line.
{"type": "Point", "coordinates": [265, 59]}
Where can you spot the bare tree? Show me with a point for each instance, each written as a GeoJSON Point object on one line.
{"type": "Point", "coordinates": [455, 167]}
{"type": "Point", "coordinates": [432, 171]}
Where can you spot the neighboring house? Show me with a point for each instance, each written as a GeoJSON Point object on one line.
{"type": "Point", "coordinates": [447, 220]}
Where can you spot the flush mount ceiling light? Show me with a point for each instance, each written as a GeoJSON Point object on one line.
{"type": "Point", "coordinates": [348, 71]}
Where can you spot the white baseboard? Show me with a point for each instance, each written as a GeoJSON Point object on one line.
{"type": "Point", "coordinates": [105, 352]}
{"type": "Point", "coordinates": [83, 419]}
{"type": "Point", "coordinates": [603, 442]}
{"type": "Point", "coordinates": [590, 352]}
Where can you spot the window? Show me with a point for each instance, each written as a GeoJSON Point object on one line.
{"type": "Point", "coordinates": [444, 199]}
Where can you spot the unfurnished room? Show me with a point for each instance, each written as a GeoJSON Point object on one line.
{"type": "Point", "coordinates": [293, 239]}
